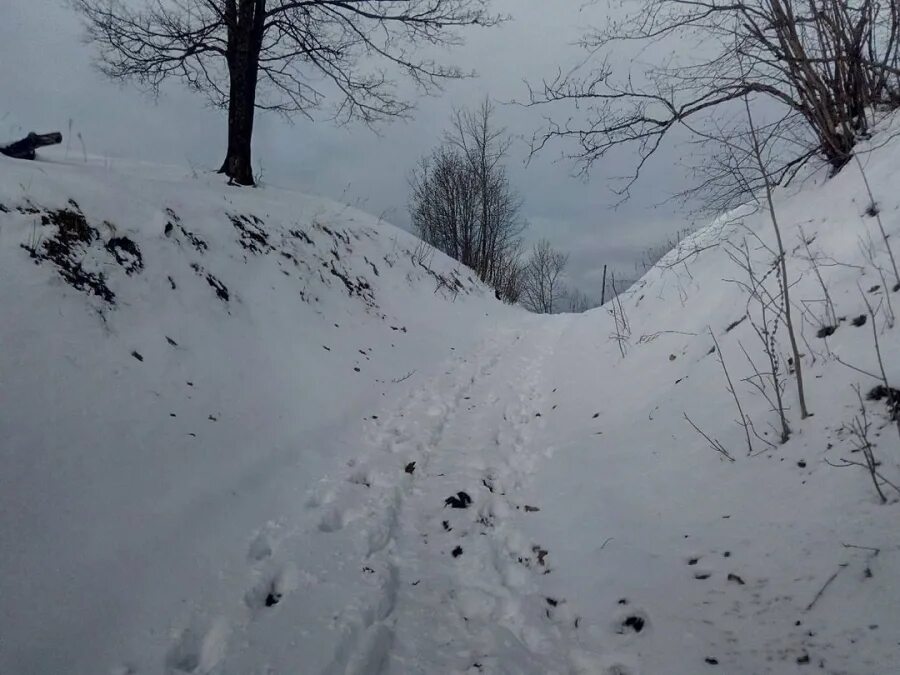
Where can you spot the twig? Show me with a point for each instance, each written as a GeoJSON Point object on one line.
{"type": "Point", "coordinates": [827, 584]}
{"type": "Point", "coordinates": [875, 551]}
{"type": "Point", "coordinates": [404, 378]}
{"type": "Point", "coordinates": [731, 390]}
{"type": "Point", "coordinates": [713, 443]}
{"type": "Point", "coordinates": [852, 367]}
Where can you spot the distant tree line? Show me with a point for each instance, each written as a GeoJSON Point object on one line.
{"type": "Point", "coordinates": [462, 203]}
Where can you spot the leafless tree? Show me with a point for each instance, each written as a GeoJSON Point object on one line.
{"type": "Point", "coordinates": [444, 204]}
{"type": "Point", "coordinates": [787, 315]}
{"type": "Point", "coordinates": [509, 277]}
{"type": "Point", "coordinates": [462, 202]}
{"type": "Point", "coordinates": [622, 333]}
{"type": "Point", "coordinates": [579, 302]}
{"type": "Point", "coordinates": [281, 55]}
{"type": "Point", "coordinates": [542, 288]}
{"type": "Point", "coordinates": [764, 311]}
{"type": "Point", "coordinates": [824, 65]}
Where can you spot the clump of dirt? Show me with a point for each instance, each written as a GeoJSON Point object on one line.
{"type": "Point", "coordinates": [358, 287]}
{"type": "Point", "coordinates": [890, 396]}
{"type": "Point", "coordinates": [252, 236]}
{"type": "Point", "coordinates": [220, 288]}
{"type": "Point", "coordinates": [632, 623]}
{"type": "Point", "coordinates": [175, 222]}
{"type": "Point", "coordinates": [66, 248]}
{"type": "Point", "coordinates": [460, 500]}
{"type": "Point", "coordinates": [72, 239]}
{"type": "Point", "coordinates": [126, 253]}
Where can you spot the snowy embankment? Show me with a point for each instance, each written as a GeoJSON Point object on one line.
{"type": "Point", "coordinates": [182, 361]}
{"type": "Point", "coordinates": [276, 437]}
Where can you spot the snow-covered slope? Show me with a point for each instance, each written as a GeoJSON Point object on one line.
{"type": "Point", "coordinates": [725, 561]}
{"type": "Point", "coordinates": [284, 439]}
{"type": "Point", "coordinates": [182, 361]}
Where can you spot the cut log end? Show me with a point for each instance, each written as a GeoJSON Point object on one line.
{"type": "Point", "coordinates": [25, 148]}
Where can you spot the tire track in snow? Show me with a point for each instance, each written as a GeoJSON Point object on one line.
{"type": "Point", "coordinates": [457, 588]}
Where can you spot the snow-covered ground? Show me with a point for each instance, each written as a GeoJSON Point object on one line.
{"type": "Point", "coordinates": [252, 431]}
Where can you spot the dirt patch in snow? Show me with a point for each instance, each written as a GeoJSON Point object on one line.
{"type": "Point", "coordinates": [890, 396]}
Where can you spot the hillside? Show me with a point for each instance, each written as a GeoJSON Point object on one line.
{"type": "Point", "coordinates": [252, 431]}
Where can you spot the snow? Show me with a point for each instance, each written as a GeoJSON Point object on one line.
{"type": "Point", "coordinates": [286, 443]}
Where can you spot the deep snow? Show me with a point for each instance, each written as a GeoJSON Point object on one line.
{"type": "Point", "coordinates": [285, 439]}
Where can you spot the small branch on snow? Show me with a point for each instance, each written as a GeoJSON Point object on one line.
{"type": "Point", "coordinates": [827, 584]}
{"type": "Point", "coordinates": [744, 423]}
{"type": "Point", "coordinates": [875, 551]}
{"type": "Point", "coordinates": [713, 443]}
{"type": "Point", "coordinates": [404, 378]}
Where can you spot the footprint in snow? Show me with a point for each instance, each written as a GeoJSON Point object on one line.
{"type": "Point", "coordinates": [271, 588]}
{"type": "Point", "coordinates": [260, 547]}
{"type": "Point", "coordinates": [197, 651]}
{"type": "Point", "coordinates": [332, 521]}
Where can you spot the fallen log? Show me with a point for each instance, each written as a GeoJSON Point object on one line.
{"type": "Point", "coordinates": [25, 148]}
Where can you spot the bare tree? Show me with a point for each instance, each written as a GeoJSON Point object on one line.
{"type": "Point", "coordinates": [787, 314]}
{"type": "Point", "coordinates": [824, 65]}
{"type": "Point", "coordinates": [281, 55]}
{"type": "Point", "coordinates": [444, 204]}
{"type": "Point", "coordinates": [622, 333]}
{"type": "Point", "coordinates": [462, 202]}
{"type": "Point", "coordinates": [764, 311]}
{"type": "Point", "coordinates": [542, 288]}
{"type": "Point", "coordinates": [579, 302]}
{"type": "Point", "coordinates": [510, 277]}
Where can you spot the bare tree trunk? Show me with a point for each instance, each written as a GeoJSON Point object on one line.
{"type": "Point", "coordinates": [245, 32]}
{"type": "Point", "coordinates": [782, 262]}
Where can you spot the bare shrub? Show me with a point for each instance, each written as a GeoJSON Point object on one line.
{"type": "Point", "coordinates": [859, 430]}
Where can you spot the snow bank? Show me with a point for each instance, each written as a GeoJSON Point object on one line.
{"type": "Point", "coordinates": [181, 362]}
{"type": "Point", "coordinates": [724, 561]}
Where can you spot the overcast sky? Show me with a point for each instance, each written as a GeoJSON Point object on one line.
{"type": "Point", "coordinates": [46, 79]}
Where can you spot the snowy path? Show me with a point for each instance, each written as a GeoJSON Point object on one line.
{"type": "Point", "coordinates": [454, 590]}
